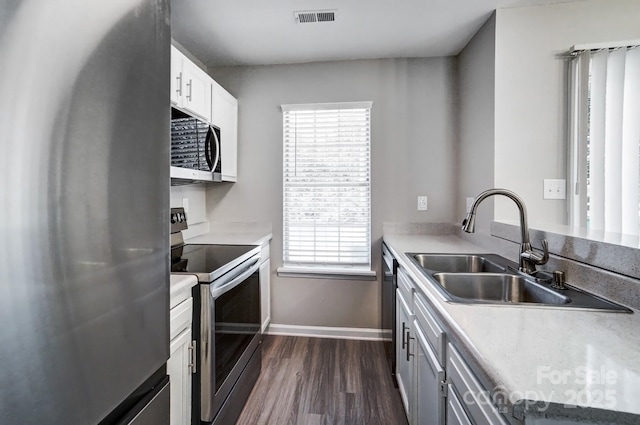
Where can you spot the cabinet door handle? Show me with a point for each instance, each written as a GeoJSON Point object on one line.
{"type": "Point", "coordinates": [189, 89]}
{"type": "Point", "coordinates": [192, 356]}
{"type": "Point", "coordinates": [409, 338]}
{"type": "Point", "coordinates": [179, 89]}
{"type": "Point", "coordinates": [404, 333]}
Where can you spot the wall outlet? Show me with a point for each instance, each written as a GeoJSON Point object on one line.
{"type": "Point", "coordinates": [469, 203]}
{"type": "Point", "coordinates": [422, 203]}
{"type": "Point", "coordinates": [185, 204]}
{"type": "Point", "coordinates": [555, 189]}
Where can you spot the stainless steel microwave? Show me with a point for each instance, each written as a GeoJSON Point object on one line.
{"type": "Point", "coordinates": [195, 149]}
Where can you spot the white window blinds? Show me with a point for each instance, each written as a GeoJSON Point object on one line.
{"type": "Point", "coordinates": [605, 128]}
{"type": "Point", "coordinates": [327, 185]}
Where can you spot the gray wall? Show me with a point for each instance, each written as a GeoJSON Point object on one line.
{"type": "Point", "coordinates": [530, 95]}
{"type": "Point", "coordinates": [413, 138]}
{"type": "Point", "coordinates": [475, 156]}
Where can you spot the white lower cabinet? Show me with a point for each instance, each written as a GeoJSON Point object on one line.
{"type": "Point", "coordinates": [404, 353]}
{"type": "Point", "coordinates": [436, 384]}
{"type": "Point", "coordinates": [179, 370]}
{"type": "Point", "coordinates": [265, 287]}
{"type": "Point", "coordinates": [181, 363]}
{"type": "Point", "coordinates": [476, 399]}
{"type": "Point", "coordinates": [455, 412]}
{"type": "Point", "coordinates": [419, 372]}
{"type": "Point", "coordinates": [429, 388]}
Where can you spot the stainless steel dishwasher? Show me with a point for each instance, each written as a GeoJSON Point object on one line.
{"type": "Point", "coordinates": [388, 307]}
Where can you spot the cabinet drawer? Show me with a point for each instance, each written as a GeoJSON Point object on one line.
{"type": "Point", "coordinates": [406, 287]}
{"type": "Point", "coordinates": [476, 398]}
{"type": "Point", "coordinates": [180, 318]}
{"type": "Point", "coordinates": [455, 412]}
{"type": "Point", "coordinates": [432, 330]}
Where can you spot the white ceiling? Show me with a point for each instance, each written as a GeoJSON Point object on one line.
{"type": "Point", "coordinates": [259, 32]}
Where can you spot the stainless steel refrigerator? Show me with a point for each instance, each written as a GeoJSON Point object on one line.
{"type": "Point", "coordinates": [84, 207]}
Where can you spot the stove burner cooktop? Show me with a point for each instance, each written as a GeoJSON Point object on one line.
{"type": "Point", "coordinates": [209, 261]}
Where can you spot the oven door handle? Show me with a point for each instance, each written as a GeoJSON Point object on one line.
{"type": "Point", "coordinates": [217, 290]}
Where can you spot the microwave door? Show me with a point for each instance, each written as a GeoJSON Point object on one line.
{"type": "Point", "coordinates": [190, 135]}
{"type": "Point", "coordinates": [191, 159]}
{"type": "Point", "coordinates": [207, 150]}
{"type": "Point", "coordinates": [213, 142]}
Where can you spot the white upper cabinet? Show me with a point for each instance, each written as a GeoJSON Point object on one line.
{"type": "Point", "coordinates": [190, 86]}
{"type": "Point", "coordinates": [197, 90]}
{"type": "Point", "coordinates": [194, 91]}
{"type": "Point", "coordinates": [176, 76]}
{"type": "Point", "coordinates": [224, 115]}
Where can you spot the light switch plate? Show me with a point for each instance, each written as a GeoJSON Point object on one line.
{"type": "Point", "coordinates": [422, 203]}
{"type": "Point", "coordinates": [555, 189]}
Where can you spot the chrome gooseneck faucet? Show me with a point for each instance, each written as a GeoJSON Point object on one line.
{"type": "Point", "coordinates": [528, 258]}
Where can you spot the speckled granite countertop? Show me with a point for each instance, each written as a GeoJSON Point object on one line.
{"type": "Point", "coordinates": [235, 234]}
{"type": "Point", "coordinates": [565, 357]}
{"type": "Point", "coordinates": [180, 288]}
{"type": "Point", "coordinates": [220, 233]}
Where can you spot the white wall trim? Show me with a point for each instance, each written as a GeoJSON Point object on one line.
{"type": "Point", "coordinates": [327, 273]}
{"type": "Point", "coordinates": [326, 106]}
{"type": "Point", "coordinates": [325, 332]}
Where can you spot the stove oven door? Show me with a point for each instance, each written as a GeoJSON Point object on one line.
{"type": "Point", "coordinates": [229, 333]}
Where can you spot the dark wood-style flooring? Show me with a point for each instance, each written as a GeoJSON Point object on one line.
{"type": "Point", "coordinates": [318, 381]}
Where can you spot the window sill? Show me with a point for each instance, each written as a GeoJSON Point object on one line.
{"type": "Point", "coordinates": [345, 273]}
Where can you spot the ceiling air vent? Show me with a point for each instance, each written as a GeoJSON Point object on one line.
{"type": "Point", "coordinates": [309, 16]}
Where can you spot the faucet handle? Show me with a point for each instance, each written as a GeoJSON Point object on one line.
{"type": "Point", "coordinates": [558, 280]}
{"type": "Point", "coordinates": [536, 257]}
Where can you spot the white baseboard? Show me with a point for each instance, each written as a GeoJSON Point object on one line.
{"type": "Point", "coordinates": [325, 332]}
{"type": "Point", "coordinates": [386, 335]}
{"type": "Point", "coordinates": [265, 325]}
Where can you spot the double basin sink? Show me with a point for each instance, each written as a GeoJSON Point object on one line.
{"type": "Point", "coordinates": [491, 279]}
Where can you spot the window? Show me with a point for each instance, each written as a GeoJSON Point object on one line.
{"type": "Point", "coordinates": [327, 186]}
{"type": "Point", "coordinates": [605, 133]}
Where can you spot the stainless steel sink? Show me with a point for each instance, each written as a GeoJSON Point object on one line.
{"type": "Point", "coordinates": [450, 263]}
{"type": "Point", "coordinates": [497, 287]}
{"type": "Point", "coordinates": [492, 279]}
